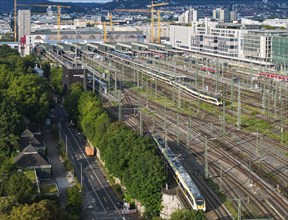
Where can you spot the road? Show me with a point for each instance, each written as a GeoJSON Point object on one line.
{"type": "Point", "coordinates": [100, 198]}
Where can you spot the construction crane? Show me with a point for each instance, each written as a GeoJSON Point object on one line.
{"type": "Point", "coordinates": [105, 32]}
{"type": "Point", "coordinates": [152, 6]}
{"type": "Point", "coordinates": [152, 25]}
{"type": "Point", "coordinates": [110, 21]}
{"type": "Point", "coordinates": [39, 5]}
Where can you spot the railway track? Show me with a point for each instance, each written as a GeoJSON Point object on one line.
{"type": "Point", "coordinates": [205, 129]}
{"type": "Point", "coordinates": [234, 165]}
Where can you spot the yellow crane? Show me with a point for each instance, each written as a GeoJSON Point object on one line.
{"type": "Point", "coordinates": [105, 32]}
{"type": "Point", "coordinates": [110, 21]}
{"type": "Point", "coordinates": [39, 5]}
{"type": "Point", "coordinates": [152, 19]}
{"type": "Point", "coordinates": [152, 6]}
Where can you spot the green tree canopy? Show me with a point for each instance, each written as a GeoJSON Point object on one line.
{"type": "Point", "coordinates": [43, 210]}
{"type": "Point", "coordinates": [75, 199]}
{"type": "Point", "coordinates": [71, 101]}
{"type": "Point", "coordinates": [184, 214]}
{"type": "Point", "coordinates": [20, 187]}
{"type": "Point", "coordinates": [6, 51]}
{"type": "Point", "coordinates": [45, 66]}
{"type": "Point", "coordinates": [31, 95]}
{"type": "Point", "coordinates": [6, 204]}
{"type": "Point", "coordinates": [10, 124]}
{"type": "Point", "coordinates": [55, 78]}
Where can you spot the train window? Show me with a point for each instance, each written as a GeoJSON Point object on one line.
{"type": "Point", "coordinates": [190, 199]}
{"type": "Point", "coordinates": [199, 201]}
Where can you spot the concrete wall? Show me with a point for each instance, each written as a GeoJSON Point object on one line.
{"type": "Point", "coordinates": [170, 204]}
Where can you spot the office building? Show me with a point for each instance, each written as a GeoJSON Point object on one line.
{"type": "Point", "coordinates": [191, 15]}
{"type": "Point", "coordinates": [280, 50]}
{"type": "Point", "coordinates": [221, 14]}
{"type": "Point", "coordinates": [24, 23]}
{"type": "Point", "coordinates": [208, 38]}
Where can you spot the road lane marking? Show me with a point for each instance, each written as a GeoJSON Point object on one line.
{"type": "Point", "coordinates": [91, 167]}
{"type": "Point", "coordinates": [67, 128]}
{"type": "Point", "coordinates": [97, 196]}
{"type": "Point", "coordinates": [92, 177]}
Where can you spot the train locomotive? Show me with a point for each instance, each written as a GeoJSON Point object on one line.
{"type": "Point", "coordinates": [187, 185]}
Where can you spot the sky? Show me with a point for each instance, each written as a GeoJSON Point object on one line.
{"type": "Point", "coordinates": [83, 1]}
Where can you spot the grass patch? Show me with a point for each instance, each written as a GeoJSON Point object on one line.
{"type": "Point", "coordinates": [228, 204]}
{"type": "Point", "coordinates": [48, 188]}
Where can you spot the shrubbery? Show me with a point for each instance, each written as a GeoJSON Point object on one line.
{"type": "Point", "coordinates": [127, 155]}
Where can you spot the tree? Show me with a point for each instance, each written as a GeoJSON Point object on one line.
{"type": "Point", "coordinates": [6, 51]}
{"type": "Point", "coordinates": [29, 63]}
{"type": "Point", "coordinates": [20, 187]}
{"type": "Point", "coordinates": [100, 126]}
{"type": "Point", "coordinates": [43, 210]}
{"type": "Point", "coordinates": [31, 95]}
{"type": "Point", "coordinates": [6, 168]}
{"type": "Point", "coordinates": [184, 214]}
{"type": "Point", "coordinates": [75, 199]}
{"type": "Point", "coordinates": [6, 205]}
{"type": "Point", "coordinates": [71, 101]}
{"type": "Point", "coordinates": [45, 66]}
{"type": "Point", "coordinates": [10, 124]}
{"type": "Point", "coordinates": [55, 78]}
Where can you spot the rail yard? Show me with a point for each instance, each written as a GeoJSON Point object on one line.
{"type": "Point", "coordinates": [221, 126]}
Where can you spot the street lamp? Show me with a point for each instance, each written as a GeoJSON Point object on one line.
{"type": "Point", "coordinates": [81, 179]}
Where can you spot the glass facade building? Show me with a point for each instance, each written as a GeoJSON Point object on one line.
{"type": "Point", "coordinates": [280, 49]}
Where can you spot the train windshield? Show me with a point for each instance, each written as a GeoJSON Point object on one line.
{"type": "Point", "coordinates": [199, 201]}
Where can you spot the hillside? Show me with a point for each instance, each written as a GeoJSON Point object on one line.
{"type": "Point", "coordinates": [8, 5]}
{"type": "Point", "coordinates": [143, 3]}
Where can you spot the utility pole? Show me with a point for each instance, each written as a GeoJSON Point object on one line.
{"type": "Point", "coordinates": [153, 123]}
{"type": "Point", "coordinates": [141, 123]}
{"type": "Point", "coordinates": [84, 79]}
{"type": "Point", "coordinates": [206, 158]}
{"type": "Point", "coordinates": [138, 79]}
{"type": "Point", "coordinates": [257, 143]}
{"type": "Point", "coordinates": [166, 141]}
{"type": "Point", "coordinates": [232, 91]}
{"type": "Point", "coordinates": [93, 83]}
{"type": "Point", "coordinates": [197, 72]}
{"type": "Point", "coordinates": [264, 99]}
{"type": "Point", "coordinates": [66, 145]}
{"type": "Point", "coordinates": [251, 75]}
{"type": "Point", "coordinates": [275, 100]}
{"type": "Point", "coordinates": [221, 177]}
{"type": "Point", "coordinates": [250, 170]}
{"type": "Point", "coordinates": [81, 176]}
{"type": "Point", "coordinates": [217, 81]}
{"type": "Point", "coordinates": [59, 128]}
{"type": "Point", "coordinates": [239, 107]}
{"type": "Point", "coordinates": [109, 81]}
{"type": "Point", "coordinates": [179, 97]}
{"type": "Point", "coordinates": [188, 133]}
{"type": "Point", "coordinates": [156, 88]}
{"type": "Point", "coordinates": [165, 119]}
{"type": "Point", "coordinates": [119, 106]}
{"type": "Point", "coordinates": [177, 128]}
{"type": "Point", "coordinates": [239, 209]}
{"type": "Point", "coordinates": [224, 120]}
{"type": "Point", "coordinates": [281, 120]}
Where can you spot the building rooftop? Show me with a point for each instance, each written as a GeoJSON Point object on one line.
{"type": "Point", "coordinates": [30, 158]}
